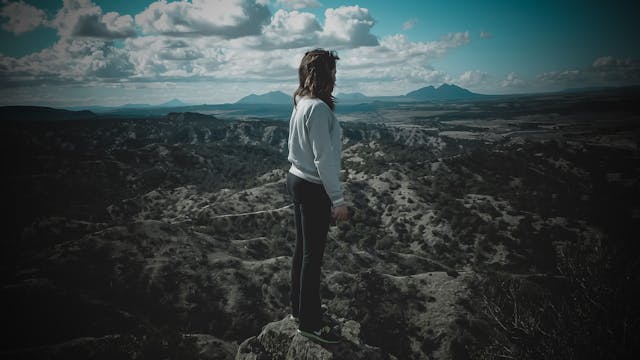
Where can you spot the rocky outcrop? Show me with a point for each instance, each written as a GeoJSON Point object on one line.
{"type": "Point", "coordinates": [280, 341]}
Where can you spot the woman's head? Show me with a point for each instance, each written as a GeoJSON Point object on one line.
{"type": "Point", "coordinates": [317, 76]}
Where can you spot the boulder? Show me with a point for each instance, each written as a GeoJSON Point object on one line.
{"type": "Point", "coordinates": [280, 340]}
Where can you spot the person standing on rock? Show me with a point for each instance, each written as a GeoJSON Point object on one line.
{"type": "Point", "coordinates": [313, 181]}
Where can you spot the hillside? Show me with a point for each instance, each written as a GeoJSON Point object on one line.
{"type": "Point", "coordinates": [493, 229]}
{"type": "Point", "coordinates": [41, 113]}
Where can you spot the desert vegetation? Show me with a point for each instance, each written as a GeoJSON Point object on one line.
{"type": "Point", "coordinates": [486, 231]}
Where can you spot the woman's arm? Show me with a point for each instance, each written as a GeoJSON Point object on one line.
{"type": "Point", "coordinates": [326, 152]}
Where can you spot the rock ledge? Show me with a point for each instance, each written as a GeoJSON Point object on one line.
{"type": "Point", "coordinates": [280, 341]}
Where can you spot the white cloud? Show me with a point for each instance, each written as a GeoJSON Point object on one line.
{"type": "Point", "coordinates": [163, 58]}
{"type": "Point", "coordinates": [565, 76]}
{"type": "Point", "coordinates": [159, 58]}
{"type": "Point", "coordinates": [485, 34]}
{"type": "Point", "coordinates": [232, 44]}
{"type": "Point", "coordinates": [512, 81]}
{"type": "Point", "coordinates": [409, 24]}
{"type": "Point", "coordinates": [83, 18]}
{"type": "Point", "coordinates": [68, 61]}
{"type": "Point", "coordinates": [399, 50]}
{"type": "Point", "coordinates": [395, 59]}
{"type": "Point", "coordinates": [21, 17]}
{"type": "Point", "coordinates": [396, 65]}
{"type": "Point", "coordinates": [274, 65]}
{"type": "Point", "coordinates": [299, 4]}
{"type": "Point", "coordinates": [348, 26]}
{"type": "Point", "coordinates": [608, 62]}
{"type": "Point", "coordinates": [223, 18]}
{"type": "Point", "coordinates": [344, 28]}
{"type": "Point", "coordinates": [290, 30]}
{"type": "Point", "coordinates": [605, 70]}
{"type": "Point", "coordinates": [472, 78]}
{"type": "Point", "coordinates": [623, 71]}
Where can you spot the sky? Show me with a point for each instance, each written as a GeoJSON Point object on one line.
{"type": "Point", "coordinates": [114, 52]}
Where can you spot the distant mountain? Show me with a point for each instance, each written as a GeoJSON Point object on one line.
{"type": "Point", "coordinates": [134, 106]}
{"type": "Point", "coordinates": [443, 92]}
{"type": "Point", "coordinates": [351, 97]}
{"type": "Point", "coordinates": [94, 108]}
{"type": "Point", "coordinates": [273, 97]}
{"type": "Point", "coordinates": [170, 103]}
{"type": "Point", "coordinates": [173, 103]}
{"type": "Point", "coordinates": [41, 113]}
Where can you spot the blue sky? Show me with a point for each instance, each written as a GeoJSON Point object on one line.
{"type": "Point", "coordinates": [86, 52]}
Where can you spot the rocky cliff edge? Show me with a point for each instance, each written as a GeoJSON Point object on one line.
{"type": "Point", "coordinates": [280, 341]}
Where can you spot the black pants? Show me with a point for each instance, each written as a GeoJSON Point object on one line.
{"type": "Point", "coordinates": [312, 209]}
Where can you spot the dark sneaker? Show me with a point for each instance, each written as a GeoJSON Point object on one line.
{"type": "Point", "coordinates": [329, 320]}
{"type": "Point", "coordinates": [324, 335]}
{"type": "Point", "coordinates": [327, 317]}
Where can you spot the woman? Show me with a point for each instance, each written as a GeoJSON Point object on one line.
{"type": "Point", "coordinates": [315, 145]}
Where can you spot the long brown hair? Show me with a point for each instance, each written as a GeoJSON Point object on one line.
{"type": "Point", "coordinates": [315, 76]}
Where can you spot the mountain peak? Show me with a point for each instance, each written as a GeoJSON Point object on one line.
{"type": "Point", "coordinates": [442, 92]}
{"type": "Point", "coordinates": [173, 103]}
{"type": "Point", "coordinates": [449, 86]}
{"type": "Point", "coordinates": [272, 97]}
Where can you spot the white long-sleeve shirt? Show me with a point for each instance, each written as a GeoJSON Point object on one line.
{"type": "Point", "coordinates": [315, 146]}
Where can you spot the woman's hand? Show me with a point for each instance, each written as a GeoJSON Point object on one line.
{"type": "Point", "coordinates": [341, 212]}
